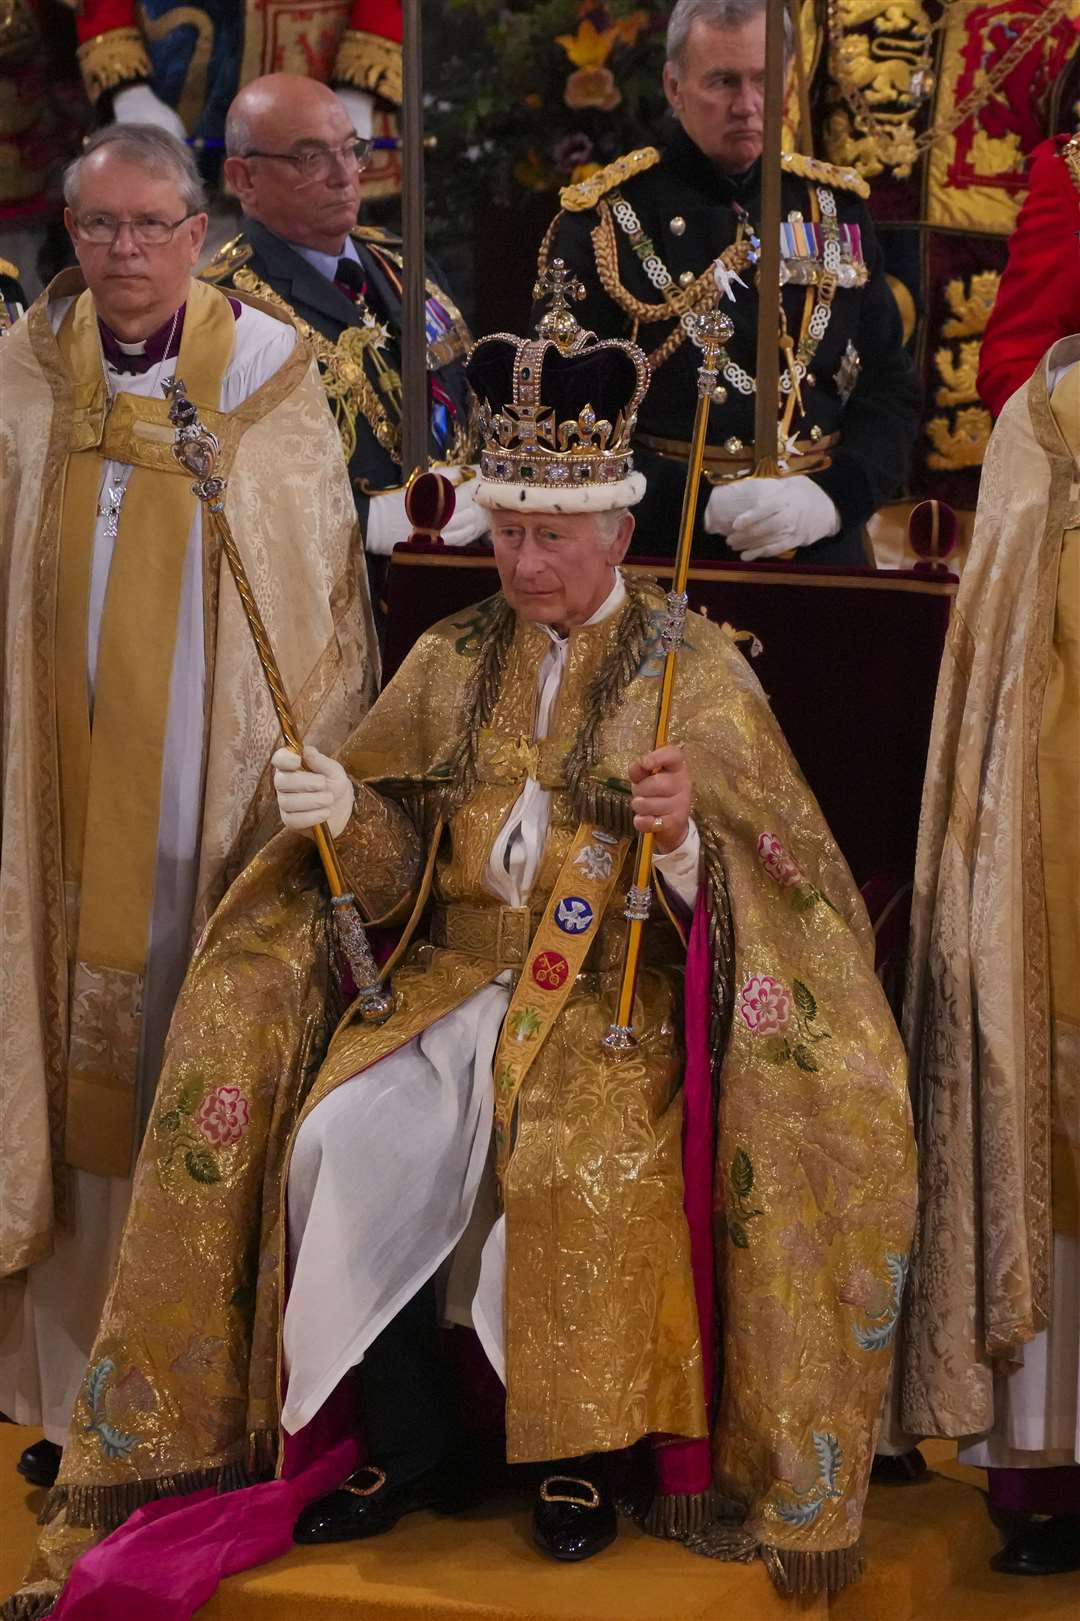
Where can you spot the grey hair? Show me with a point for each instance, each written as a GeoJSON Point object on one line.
{"type": "Point", "coordinates": [239, 138]}
{"type": "Point", "coordinates": [608, 522]}
{"type": "Point", "coordinates": [152, 149]}
{"type": "Point", "coordinates": [717, 14]}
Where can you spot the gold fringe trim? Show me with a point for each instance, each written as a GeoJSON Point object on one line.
{"type": "Point", "coordinates": [678, 1515]}
{"type": "Point", "coordinates": [799, 1571]}
{"type": "Point", "coordinates": [369, 62]}
{"type": "Point", "coordinates": [481, 694]}
{"type": "Point", "coordinates": [29, 1606]}
{"type": "Point", "coordinates": [721, 945]}
{"type": "Point", "coordinates": [103, 1508]}
{"type": "Point", "coordinates": [110, 60]}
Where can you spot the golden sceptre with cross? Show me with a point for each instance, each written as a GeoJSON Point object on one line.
{"type": "Point", "coordinates": [196, 449]}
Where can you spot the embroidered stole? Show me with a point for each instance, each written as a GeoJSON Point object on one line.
{"type": "Point", "coordinates": [552, 963]}
{"type": "Point", "coordinates": [111, 763]}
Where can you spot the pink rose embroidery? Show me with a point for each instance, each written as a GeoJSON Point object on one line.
{"type": "Point", "coordinates": [765, 1005]}
{"type": "Point", "coordinates": [776, 861]}
{"type": "Point", "coordinates": [224, 1116]}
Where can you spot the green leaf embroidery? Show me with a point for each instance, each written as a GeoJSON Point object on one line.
{"type": "Point", "coordinates": [738, 1234]}
{"type": "Point", "coordinates": [804, 1000]}
{"type": "Point", "coordinates": [775, 1049]}
{"type": "Point", "coordinates": [805, 1058]}
{"type": "Point", "coordinates": [742, 1174]}
{"type": "Point", "coordinates": [202, 1165]}
{"type": "Point", "coordinates": [525, 1023]}
{"type": "Point", "coordinates": [170, 1121]}
{"type": "Point", "coordinates": [805, 898]}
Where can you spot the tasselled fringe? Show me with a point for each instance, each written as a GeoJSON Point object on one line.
{"type": "Point", "coordinates": [29, 1606]}
{"type": "Point", "coordinates": [103, 1508]}
{"type": "Point", "coordinates": [799, 1571]}
{"type": "Point", "coordinates": [679, 1515]}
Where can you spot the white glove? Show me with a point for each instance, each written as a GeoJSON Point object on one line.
{"type": "Point", "coordinates": [387, 523]}
{"type": "Point", "coordinates": [315, 789]}
{"type": "Point", "coordinates": [360, 106]}
{"type": "Point", "coordinates": [137, 104]}
{"type": "Point", "coordinates": [764, 516]}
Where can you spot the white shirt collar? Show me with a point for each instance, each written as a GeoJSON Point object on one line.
{"type": "Point", "coordinates": [326, 263]}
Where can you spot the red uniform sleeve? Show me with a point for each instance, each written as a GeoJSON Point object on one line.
{"type": "Point", "coordinates": [112, 51]}
{"type": "Point", "coordinates": [369, 56]}
{"type": "Point", "coordinates": [1038, 301]}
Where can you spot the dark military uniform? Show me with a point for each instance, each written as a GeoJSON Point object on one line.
{"type": "Point", "coordinates": [355, 333]}
{"type": "Point", "coordinates": [644, 234]}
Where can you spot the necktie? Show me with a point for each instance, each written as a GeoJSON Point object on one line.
{"type": "Point", "coordinates": [351, 279]}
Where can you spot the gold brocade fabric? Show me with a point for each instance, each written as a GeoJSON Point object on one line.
{"type": "Point", "coordinates": [286, 479]}
{"type": "Point", "coordinates": [991, 1049]}
{"type": "Point", "coordinates": [1059, 814]}
{"type": "Point", "coordinates": [814, 1181]}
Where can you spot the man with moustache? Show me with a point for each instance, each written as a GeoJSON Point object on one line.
{"type": "Point", "coordinates": [652, 235]}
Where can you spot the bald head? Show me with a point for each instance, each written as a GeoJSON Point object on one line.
{"type": "Point", "coordinates": [273, 123]}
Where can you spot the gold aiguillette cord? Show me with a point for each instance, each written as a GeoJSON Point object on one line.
{"type": "Point", "coordinates": [196, 449]}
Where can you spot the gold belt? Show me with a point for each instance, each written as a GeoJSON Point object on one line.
{"type": "Point", "coordinates": [721, 463]}
{"type": "Point", "coordinates": [501, 935]}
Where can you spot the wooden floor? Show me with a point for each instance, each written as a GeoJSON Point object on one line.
{"type": "Point", "coordinates": [927, 1550]}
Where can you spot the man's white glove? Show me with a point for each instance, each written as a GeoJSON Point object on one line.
{"type": "Point", "coordinates": [360, 106]}
{"type": "Point", "coordinates": [314, 789]}
{"type": "Point", "coordinates": [387, 523]}
{"type": "Point", "coordinates": [764, 516]}
{"type": "Point", "coordinates": [137, 104]}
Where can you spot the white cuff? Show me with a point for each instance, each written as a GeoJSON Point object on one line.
{"type": "Point", "coordinates": [680, 868]}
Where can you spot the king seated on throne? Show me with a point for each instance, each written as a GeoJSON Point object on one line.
{"type": "Point", "coordinates": [318, 1195]}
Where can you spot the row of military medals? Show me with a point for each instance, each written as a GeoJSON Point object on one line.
{"type": "Point", "coordinates": [815, 256]}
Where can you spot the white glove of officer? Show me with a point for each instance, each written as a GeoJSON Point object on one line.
{"type": "Point", "coordinates": [137, 104]}
{"type": "Point", "coordinates": [360, 107]}
{"type": "Point", "coordinates": [387, 523]}
{"type": "Point", "coordinates": [314, 789]}
{"type": "Point", "coordinates": [764, 516]}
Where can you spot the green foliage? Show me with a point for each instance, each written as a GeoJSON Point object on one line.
{"type": "Point", "coordinates": [742, 1174]}
{"type": "Point", "coordinates": [202, 1166]}
{"type": "Point", "coordinates": [500, 116]}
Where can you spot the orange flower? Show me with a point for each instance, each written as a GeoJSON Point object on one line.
{"type": "Point", "coordinates": [533, 174]}
{"type": "Point", "coordinates": [628, 28]}
{"type": "Point", "coordinates": [590, 47]}
{"type": "Point", "coordinates": [583, 171]}
{"type": "Point", "coordinates": [533, 101]}
{"type": "Point", "coordinates": [592, 87]}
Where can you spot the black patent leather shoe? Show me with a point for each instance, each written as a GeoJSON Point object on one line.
{"type": "Point", "coordinates": [1042, 1548]}
{"type": "Point", "coordinates": [573, 1519]}
{"type": "Point", "coordinates": [899, 1469]}
{"type": "Point", "coordinates": [367, 1504]}
{"type": "Point", "coordinates": [40, 1464]}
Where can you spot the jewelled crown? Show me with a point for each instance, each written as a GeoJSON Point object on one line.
{"type": "Point", "coordinates": [558, 412]}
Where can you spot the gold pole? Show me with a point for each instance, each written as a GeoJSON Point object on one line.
{"type": "Point", "coordinates": [766, 424]}
{"type": "Point", "coordinates": [196, 449]}
{"type": "Point", "coordinates": [710, 332]}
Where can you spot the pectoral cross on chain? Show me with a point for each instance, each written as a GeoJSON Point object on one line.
{"type": "Point", "coordinates": [114, 496]}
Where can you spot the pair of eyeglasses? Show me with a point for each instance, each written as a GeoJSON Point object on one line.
{"type": "Point", "coordinates": [318, 162]}
{"type": "Point", "coordinates": [148, 230]}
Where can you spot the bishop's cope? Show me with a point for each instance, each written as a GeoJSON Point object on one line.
{"type": "Point", "coordinates": [136, 724]}
{"type": "Point", "coordinates": [615, 1230]}
{"type": "Point", "coordinates": [651, 238]}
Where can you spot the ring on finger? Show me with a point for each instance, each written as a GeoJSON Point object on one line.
{"type": "Point", "coordinates": [658, 821]}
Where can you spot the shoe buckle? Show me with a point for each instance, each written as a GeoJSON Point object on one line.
{"type": "Point", "coordinates": [378, 1482]}
{"type": "Point", "coordinates": [547, 1495]}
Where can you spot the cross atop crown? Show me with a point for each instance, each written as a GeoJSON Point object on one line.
{"type": "Point", "coordinates": [557, 324]}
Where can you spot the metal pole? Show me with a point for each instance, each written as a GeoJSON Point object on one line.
{"type": "Point", "coordinates": [767, 400]}
{"type": "Point", "coordinates": [414, 412]}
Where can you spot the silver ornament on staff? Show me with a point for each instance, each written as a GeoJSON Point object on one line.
{"type": "Point", "coordinates": [196, 449]}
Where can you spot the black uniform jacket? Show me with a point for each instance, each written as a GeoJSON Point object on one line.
{"type": "Point", "coordinates": [863, 382]}
{"type": "Point", "coordinates": [357, 343]}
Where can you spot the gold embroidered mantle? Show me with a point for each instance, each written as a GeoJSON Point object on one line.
{"type": "Point", "coordinates": [814, 1179]}
{"type": "Point", "coordinates": [315, 602]}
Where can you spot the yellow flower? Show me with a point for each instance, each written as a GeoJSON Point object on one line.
{"type": "Point", "coordinates": [592, 87]}
{"type": "Point", "coordinates": [532, 174]}
{"type": "Point", "coordinates": [589, 47]}
{"type": "Point", "coordinates": [628, 28]}
{"type": "Point", "coordinates": [583, 171]}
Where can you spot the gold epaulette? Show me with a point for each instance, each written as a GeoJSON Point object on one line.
{"type": "Point", "coordinates": [228, 258]}
{"type": "Point", "coordinates": [587, 193]}
{"type": "Point", "coordinates": [9, 269]}
{"type": "Point", "coordinates": [824, 174]}
{"type": "Point", "coordinates": [1070, 152]}
{"type": "Point", "coordinates": [375, 233]}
